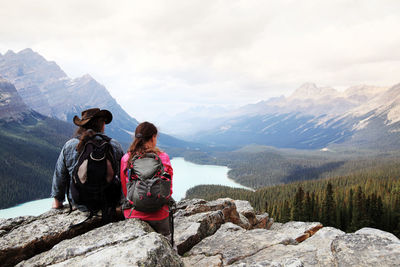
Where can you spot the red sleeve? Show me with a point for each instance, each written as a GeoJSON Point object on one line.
{"type": "Point", "coordinates": [167, 166]}
{"type": "Point", "coordinates": [124, 178]}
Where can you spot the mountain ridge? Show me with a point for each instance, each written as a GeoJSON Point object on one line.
{"type": "Point", "coordinates": [315, 123]}
{"type": "Point", "coordinates": [48, 90]}
{"type": "Point", "coordinates": [311, 91]}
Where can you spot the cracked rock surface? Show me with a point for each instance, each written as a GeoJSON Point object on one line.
{"type": "Point", "coordinates": [105, 236]}
{"type": "Point", "coordinates": [24, 237]}
{"type": "Point", "coordinates": [234, 243]}
{"type": "Point", "coordinates": [361, 249]}
{"type": "Point", "coordinates": [223, 232]}
{"type": "Point", "coordinates": [149, 250]}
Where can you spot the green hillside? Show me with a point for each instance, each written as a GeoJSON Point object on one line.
{"type": "Point", "coordinates": [28, 153]}
{"type": "Point", "coordinates": [260, 166]}
{"type": "Point", "coordinates": [369, 197]}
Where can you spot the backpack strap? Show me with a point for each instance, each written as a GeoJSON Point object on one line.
{"type": "Point", "coordinates": [103, 136]}
{"type": "Point", "coordinates": [171, 226]}
{"type": "Point", "coordinates": [79, 224]}
{"type": "Point", "coordinates": [131, 172]}
{"type": "Point", "coordinates": [171, 207]}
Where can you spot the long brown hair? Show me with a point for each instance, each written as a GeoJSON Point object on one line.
{"type": "Point", "coordinates": [143, 133]}
{"type": "Point", "coordinates": [86, 131]}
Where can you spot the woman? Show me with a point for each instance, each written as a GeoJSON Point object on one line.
{"type": "Point", "coordinates": [145, 141]}
{"type": "Point", "coordinates": [93, 122]}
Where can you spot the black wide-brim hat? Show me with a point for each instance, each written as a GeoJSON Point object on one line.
{"type": "Point", "coordinates": [89, 114]}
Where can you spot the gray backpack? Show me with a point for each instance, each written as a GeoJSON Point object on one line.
{"type": "Point", "coordinates": [148, 189]}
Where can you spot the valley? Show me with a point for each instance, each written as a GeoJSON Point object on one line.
{"type": "Point", "coordinates": [314, 137]}
{"type": "Point", "coordinates": [259, 166]}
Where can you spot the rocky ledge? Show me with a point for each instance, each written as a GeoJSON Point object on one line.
{"type": "Point", "coordinates": [224, 232]}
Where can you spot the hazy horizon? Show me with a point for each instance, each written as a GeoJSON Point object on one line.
{"type": "Point", "coordinates": [221, 53]}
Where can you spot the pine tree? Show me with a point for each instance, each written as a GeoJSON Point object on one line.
{"type": "Point", "coordinates": [328, 207]}
{"type": "Point", "coordinates": [350, 210]}
{"type": "Point", "coordinates": [285, 212]}
{"type": "Point", "coordinates": [396, 216]}
{"type": "Point", "coordinates": [315, 207]}
{"type": "Point", "coordinates": [308, 209]}
{"type": "Point", "coordinates": [298, 205]}
{"type": "Point", "coordinates": [375, 210]}
{"type": "Point", "coordinates": [379, 213]}
{"type": "Point", "coordinates": [358, 210]}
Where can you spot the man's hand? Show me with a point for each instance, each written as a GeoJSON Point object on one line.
{"type": "Point", "coordinates": [57, 204]}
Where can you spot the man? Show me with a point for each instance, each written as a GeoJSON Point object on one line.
{"type": "Point", "coordinates": [91, 126]}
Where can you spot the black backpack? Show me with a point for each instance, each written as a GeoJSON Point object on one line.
{"type": "Point", "coordinates": [149, 185]}
{"type": "Point", "coordinates": [94, 183]}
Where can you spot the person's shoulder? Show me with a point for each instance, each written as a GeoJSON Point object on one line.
{"type": "Point", "coordinates": [163, 155]}
{"type": "Point", "coordinates": [73, 142]}
{"type": "Point", "coordinates": [115, 143]}
{"type": "Point", "coordinates": [125, 157]}
{"type": "Point", "coordinates": [70, 146]}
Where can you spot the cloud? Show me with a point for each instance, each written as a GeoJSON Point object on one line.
{"type": "Point", "coordinates": [229, 52]}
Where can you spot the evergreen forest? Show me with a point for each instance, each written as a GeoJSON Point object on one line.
{"type": "Point", "coordinates": [28, 153]}
{"type": "Point", "coordinates": [368, 197]}
{"type": "Point", "coordinates": [259, 166]}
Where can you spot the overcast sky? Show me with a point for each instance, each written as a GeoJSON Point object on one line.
{"type": "Point", "coordinates": [179, 54]}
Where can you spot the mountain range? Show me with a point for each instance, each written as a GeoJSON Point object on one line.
{"type": "Point", "coordinates": [45, 88]}
{"type": "Point", "coordinates": [313, 118]}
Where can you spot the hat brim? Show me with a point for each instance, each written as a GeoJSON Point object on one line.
{"type": "Point", "coordinates": [102, 113]}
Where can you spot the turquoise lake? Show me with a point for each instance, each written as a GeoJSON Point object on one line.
{"type": "Point", "coordinates": [186, 175]}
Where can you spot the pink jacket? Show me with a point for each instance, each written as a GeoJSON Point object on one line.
{"type": "Point", "coordinates": [147, 216]}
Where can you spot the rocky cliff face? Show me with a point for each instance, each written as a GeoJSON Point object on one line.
{"type": "Point", "coordinates": [11, 105]}
{"type": "Point", "coordinates": [217, 233]}
{"type": "Point", "coordinates": [48, 90]}
{"type": "Point", "coordinates": [31, 74]}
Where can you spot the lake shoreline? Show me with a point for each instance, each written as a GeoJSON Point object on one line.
{"type": "Point", "coordinates": [186, 175]}
{"type": "Point", "coordinates": [215, 164]}
{"type": "Point", "coordinates": [242, 186]}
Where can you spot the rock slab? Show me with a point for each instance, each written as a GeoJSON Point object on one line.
{"type": "Point", "coordinates": [224, 232]}
{"type": "Point", "coordinates": [24, 238]}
